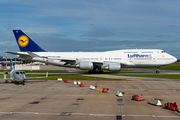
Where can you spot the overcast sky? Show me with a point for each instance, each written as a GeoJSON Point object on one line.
{"type": "Point", "coordinates": [92, 25]}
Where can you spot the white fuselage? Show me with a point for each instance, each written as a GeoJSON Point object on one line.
{"type": "Point", "coordinates": [127, 58]}
{"type": "Point", "coordinates": [17, 75]}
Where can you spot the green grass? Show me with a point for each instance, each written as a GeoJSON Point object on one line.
{"type": "Point", "coordinates": [151, 75]}
{"type": "Point", "coordinates": [39, 70]}
{"type": "Point", "coordinates": [174, 66]}
{"type": "Point", "coordinates": [64, 77]}
{"type": "Point", "coordinates": [70, 77]}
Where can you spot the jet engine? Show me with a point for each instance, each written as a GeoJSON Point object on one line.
{"type": "Point", "coordinates": [112, 66]}
{"type": "Point", "coordinates": [86, 65]}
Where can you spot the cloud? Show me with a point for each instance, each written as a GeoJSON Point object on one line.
{"type": "Point", "coordinates": [173, 25]}
{"type": "Point", "coordinates": [98, 33]}
{"type": "Point", "coordinates": [61, 43]}
{"type": "Point", "coordinates": [51, 43]}
{"type": "Point", "coordinates": [96, 25]}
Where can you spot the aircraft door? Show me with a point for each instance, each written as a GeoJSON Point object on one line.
{"type": "Point", "coordinates": [130, 59]}
{"type": "Point", "coordinates": [101, 58]}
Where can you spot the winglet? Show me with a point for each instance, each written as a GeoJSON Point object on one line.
{"type": "Point", "coordinates": [25, 43]}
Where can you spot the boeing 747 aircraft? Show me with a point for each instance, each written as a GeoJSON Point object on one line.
{"type": "Point", "coordinates": [93, 61]}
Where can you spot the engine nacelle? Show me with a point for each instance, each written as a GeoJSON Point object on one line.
{"type": "Point", "coordinates": [112, 67]}
{"type": "Point", "coordinates": [115, 67]}
{"type": "Point", "coordinates": [86, 65]}
{"type": "Point", "coordinates": [5, 73]}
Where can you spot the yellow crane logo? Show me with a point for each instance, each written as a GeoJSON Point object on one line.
{"type": "Point", "coordinates": [23, 41]}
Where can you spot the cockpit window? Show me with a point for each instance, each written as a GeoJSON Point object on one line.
{"type": "Point", "coordinates": [21, 72]}
{"type": "Point", "coordinates": [17, 73]}
{"type": "Point", "coordinates": [163, 51]}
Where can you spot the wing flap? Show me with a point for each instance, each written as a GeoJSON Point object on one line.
{"type": "Point", "coordinates": [5, 79]}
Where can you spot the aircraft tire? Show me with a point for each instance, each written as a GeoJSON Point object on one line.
{"type": "Point", "coordinates": [90, 71]}
{"type": "Point", "coordinates": [157, 71]}
{"type": "Point", "coordinates": [100, 72]}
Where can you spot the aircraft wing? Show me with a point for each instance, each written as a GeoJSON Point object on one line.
{"type": "Point", "coordinates": [16, 53]}
{"type": "Point", "coordinates": [67, 60]}
{"type": "Point", "coordinates": [70, 60]}
{"type": "Point", "coordinates": [5, 79]}
{"type": "Point", "coordinates": [10, 62]}
{"type": "Point", "coordinates": [62, 59]}
{"type": "Point", "coordinates": [37, 77]}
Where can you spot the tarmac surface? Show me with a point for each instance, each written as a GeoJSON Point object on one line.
{"type": "Point", "coordinates": [54, 100]}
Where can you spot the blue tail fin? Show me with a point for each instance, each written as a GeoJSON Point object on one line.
{"type": "Point", "coordinates": [25, 43]}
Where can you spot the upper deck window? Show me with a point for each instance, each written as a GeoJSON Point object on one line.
{"type": "Point", "coordinates": [131, 52]}
{"type": "Point", "coordinates": [163, 51]}
{"type": "Point", "coordinates": [147, 52]}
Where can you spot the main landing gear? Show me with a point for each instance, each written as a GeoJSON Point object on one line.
{"type": "Point", "coordinates": [158, 71]}
{"type": "Point", "coordinates": [96, 70]}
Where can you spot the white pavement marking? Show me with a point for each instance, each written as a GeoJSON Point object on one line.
{"type": "Point", "coordinates": [102, 115]}
{"type": "Point", "coordinates": [88, 114]}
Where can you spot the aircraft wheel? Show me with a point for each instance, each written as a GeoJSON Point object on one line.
{"type": "Point", "coordinates": [157, 71]}
{"type": "Point", "coordinates": [100, 72]}
{"type": "Point", "coordinates": [6, 81]}
{"type": "Point", "coordinates": [90, 71]}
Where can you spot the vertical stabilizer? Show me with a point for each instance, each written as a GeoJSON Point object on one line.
{"type": "Point", "coordinates": [25, 43]}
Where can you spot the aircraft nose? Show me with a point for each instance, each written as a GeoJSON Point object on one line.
{"type": "Point", "coordinates": [20, 77]}
{"type": "Point", "coordinates": [175, 59]}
